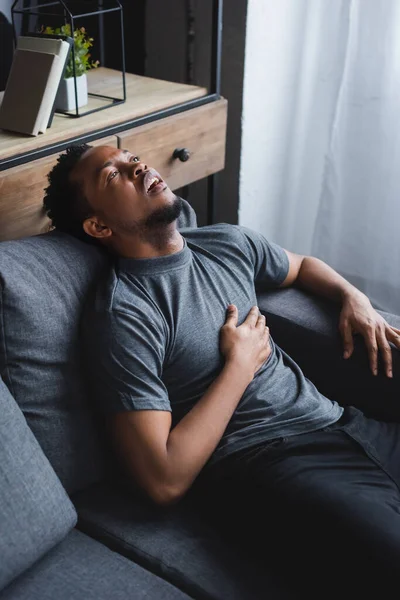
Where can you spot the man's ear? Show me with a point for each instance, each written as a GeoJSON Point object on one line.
{"type": "Point", "coordinates": [94, 227]}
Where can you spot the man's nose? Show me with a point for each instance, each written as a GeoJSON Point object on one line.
{"type": "Point", "coordinates": [139, 168]}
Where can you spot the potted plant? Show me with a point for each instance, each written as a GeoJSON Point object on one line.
{"type": "Point", "coordinates": [65, 99]}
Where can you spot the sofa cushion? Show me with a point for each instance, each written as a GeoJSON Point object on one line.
{"type": "Point", "coordinates": [44, 281]}
{"type": "Point", "coordinates": [306, 327]}
{"type": "Point", "coordinates": [43, 285]}
{"type": "Point", "coordinates": [35, 511]}
{"type": "Point", "coordinates": [82, 569]}
{"type": "Point", "coordinates": [179, 544]}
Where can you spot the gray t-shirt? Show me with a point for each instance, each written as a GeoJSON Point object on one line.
{"type": "Point", "coordinates": [152, 336]}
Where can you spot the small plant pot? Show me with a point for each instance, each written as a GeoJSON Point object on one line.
{"type": "Point", "coordinates": [65, 99]}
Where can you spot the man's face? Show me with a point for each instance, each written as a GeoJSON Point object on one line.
{"type": "Point", "coordinates": [126, 195]}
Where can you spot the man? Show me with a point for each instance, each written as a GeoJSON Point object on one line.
{"type": "Point", "coordinates": [193, 385]}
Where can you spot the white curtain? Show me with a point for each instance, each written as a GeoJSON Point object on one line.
{"type": "Point", "coordinates": [320, 169]}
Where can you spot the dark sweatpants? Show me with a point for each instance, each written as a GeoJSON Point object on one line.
{"type": "Point", "coordinates": [322, 508]}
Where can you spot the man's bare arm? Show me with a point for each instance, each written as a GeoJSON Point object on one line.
{"type": "Point", "coordinates": [165, 462]}
{"type": "Point", "coordinates": [318, 277]}
{"type": "Point", "coordinates": [357, 315]}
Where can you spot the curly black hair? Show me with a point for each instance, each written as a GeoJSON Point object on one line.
{"type": "Point", "coordinates": [64, 202]}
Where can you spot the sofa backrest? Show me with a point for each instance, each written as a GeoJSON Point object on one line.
{"type": "Point", "coordinates": [44, 282]}
{"type": "Point", "coordinates": [35, 511]}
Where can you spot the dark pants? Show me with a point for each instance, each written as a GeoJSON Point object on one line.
{"type": "Point", "coordinates": [322, 508]}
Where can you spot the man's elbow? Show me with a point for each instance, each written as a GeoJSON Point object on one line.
{"type": "Point", "coordinates": [164, 495]}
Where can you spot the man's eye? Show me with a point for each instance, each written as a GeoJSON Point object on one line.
{"type": "Point", "coordinates": [135, 159]}
{"type": "Point", "coordinates": [112, 175]}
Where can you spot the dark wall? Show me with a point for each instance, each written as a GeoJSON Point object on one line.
{"type": "Point", "coordinates": [134, 33]}
{"type": "Point", "coordinates": [170, 54]}
{"type": "Point", "coordinates": [6, 41]}
{"type": "Point", "coordinates": [6, 49]}
{"type": "Point", "coordinates": [233, 55]}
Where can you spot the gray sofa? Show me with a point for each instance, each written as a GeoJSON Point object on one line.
{"type": "Point", "coordinates": [71, 526]}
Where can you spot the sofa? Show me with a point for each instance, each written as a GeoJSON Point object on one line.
{"type": "Point", "coordinates": [71, 525]}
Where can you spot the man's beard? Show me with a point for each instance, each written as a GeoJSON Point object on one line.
{"type": "Point", "coordinates": [154, 228]}
{"type": "Point", "coordinates": [162, 216]}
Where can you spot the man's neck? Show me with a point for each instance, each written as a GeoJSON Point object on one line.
{"type": "Point", "coordinates": [158, 242]}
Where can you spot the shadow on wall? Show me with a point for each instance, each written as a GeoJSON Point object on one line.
{"type": "Point", "coordinates": [6, 49]}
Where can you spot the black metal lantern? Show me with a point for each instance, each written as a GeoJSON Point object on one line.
{"type": "Point", "coordinates": [63, 12]}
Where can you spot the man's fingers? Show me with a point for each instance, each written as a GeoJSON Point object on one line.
{"type": "Point", "coordinates": [348, 341]}
{"type": "Point", "coordinates": [261, 322]}
{"type": "Point", "coordinates": [385, 351]}
{"type": "Point", "coordinates": [395, 331]}
{"type": "Point", "coordinates": [393, 337]}
{"type": "Point", "coordinates": [372, 348]}
{"type": "Point", "coordinates": [231, 315]}
{"type": "Point", "coordinates": [252, 317]}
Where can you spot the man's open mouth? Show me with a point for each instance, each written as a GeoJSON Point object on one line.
{"type": "Point", "coordinates": [153, 183]}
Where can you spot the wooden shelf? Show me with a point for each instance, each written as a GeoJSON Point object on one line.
{"type": "Point", "coordinates": [144, 96]}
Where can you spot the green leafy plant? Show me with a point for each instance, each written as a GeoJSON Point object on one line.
{"type": "Point", "coordinates": [82, 43]}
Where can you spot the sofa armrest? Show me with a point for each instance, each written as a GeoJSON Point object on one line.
{"type": "Point", "coordinates": [306, 327]}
